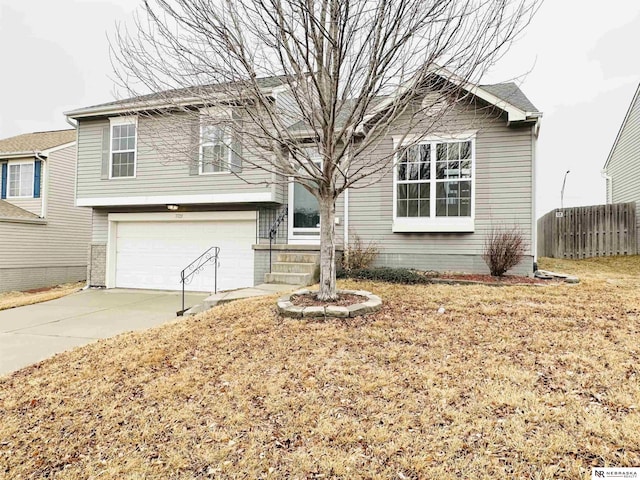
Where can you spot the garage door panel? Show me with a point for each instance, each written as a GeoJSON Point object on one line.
{"type": "Point", "coordinates": [152, 254]}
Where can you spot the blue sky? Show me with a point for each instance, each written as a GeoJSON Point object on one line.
{"type": "Point", "coordinates": [577, 62]}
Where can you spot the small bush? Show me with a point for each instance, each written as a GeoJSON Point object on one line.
{"type": "Point", "coordinates": [358, 256]}
{"type": "Point", "coordinates": [384, 274]}
{"type": "Point", "coordinates": [503, 249]}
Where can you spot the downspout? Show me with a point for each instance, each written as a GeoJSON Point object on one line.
{"type": "Point", "coordinates": [75, 199]}
{"type": "Point", "coordinates": [75, 180]}
{"type": "Point", "coordinates": [534, 223]}
{"type": "Point", "coordinates": [608, 186]}
{"type": "Point", "coordinates": [44, 184]}
{"type": "Point", "coordinates": [345, 239]}
{"type": "Point", "coordinates": [346, 220]}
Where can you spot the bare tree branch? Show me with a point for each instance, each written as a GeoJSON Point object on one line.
{"type": "Point", "coordinates": [347, 74]}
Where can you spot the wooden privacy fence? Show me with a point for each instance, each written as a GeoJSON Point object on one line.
{"type": "Point", "coordinates": [582, 232]}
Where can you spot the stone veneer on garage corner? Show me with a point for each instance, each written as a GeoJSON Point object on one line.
{"type": "Point", "coordinates": [372, 304]}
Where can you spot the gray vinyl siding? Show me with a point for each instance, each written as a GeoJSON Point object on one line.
{"type": "Point", "coordinates": [54, 252]}
{"type": "Point", "coordinates": [503, 197]}
{"type": "Point", "coordinates": [164, 151]}
{"type": "Point", "coordinates": [624, 164]}
{"type": "Point", "coordinates": [288, 107]}
{"type": "Point", "coordinates": [100, 222]}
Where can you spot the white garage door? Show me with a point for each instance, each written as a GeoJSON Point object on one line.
{"type": "Point", "coordinates": [151, 254]}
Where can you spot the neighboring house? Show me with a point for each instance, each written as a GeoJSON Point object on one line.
{"type": "Point", "coordinates": [153, 216]}
{"type": "Point", "coordinates": [43, 235]}
{"type": "Point", "coordinates": [622, 168]}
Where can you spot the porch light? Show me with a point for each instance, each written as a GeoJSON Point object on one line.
{"type": "Point", "coordinates": [172, 208]}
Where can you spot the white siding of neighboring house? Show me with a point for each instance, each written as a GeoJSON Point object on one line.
{"type": "Point", "coordinates": [33, 256]}
{"type": "Point", "coordinates": [624, 163]}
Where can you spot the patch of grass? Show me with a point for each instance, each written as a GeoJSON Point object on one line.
{"type": "Point", "coordinates": [512, 382]}
{"type": "Point", "coordinates": [20, 299]}
{"type": "Point", "coordinates": [599, 267]}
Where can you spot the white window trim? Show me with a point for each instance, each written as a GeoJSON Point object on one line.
{"type": "Point", "coordinates": [205, 115]}
{"type": "Point", "coordinates": [433, 223]}
{"type": "Point", "coordinates": [9, 165]}
{"type": "Point", "coordinates": [129, 120]}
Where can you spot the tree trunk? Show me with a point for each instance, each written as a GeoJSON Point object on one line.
{"type": "Point", "coordinates": [327, 249]}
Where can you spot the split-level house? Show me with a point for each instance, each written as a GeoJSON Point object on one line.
{"type": "Point", "coordinates": [622, 168]}
{"type": "Point", "coordinates": [152, 216]}
{"type": "Point", "coordinates": [43, 236]}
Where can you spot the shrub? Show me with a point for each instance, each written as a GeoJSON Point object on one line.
{"type": "Point", "coordinates": [503, 249]}
{"type": "Point", "coordinates": [357, 255]}
{"type": "Point", "coordinates": [384, 274]}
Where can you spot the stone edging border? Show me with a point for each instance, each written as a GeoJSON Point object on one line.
{"type": "Point", "coordinates": [288, 309]}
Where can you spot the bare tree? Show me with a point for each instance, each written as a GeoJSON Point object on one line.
{"type": "Point", "coordinates": [348, 71]}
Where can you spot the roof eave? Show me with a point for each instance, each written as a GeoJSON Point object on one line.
{"type": "Point", "coordinates": [514, 114]}
{"type": "Point", "coordinates": [107, 110]}
{"type": "Point", "coordinates": [27, 153]}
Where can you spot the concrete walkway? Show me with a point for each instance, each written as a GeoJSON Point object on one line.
{"type": "Point", "coordinates": [35, 332]}
{"type": "Point", "coordinates": [257, 291]}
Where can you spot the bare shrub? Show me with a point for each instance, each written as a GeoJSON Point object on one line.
{"type": "Point", "coordinates": [357, 255]}
{"type": "Point", "coordinates": [503, 249]}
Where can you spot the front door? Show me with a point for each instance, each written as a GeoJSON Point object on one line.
{"type": "Point", "coordinates": [304, 214]}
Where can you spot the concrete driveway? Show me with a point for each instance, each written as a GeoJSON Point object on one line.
{"type": "Point", "coordinates": [35, 332]}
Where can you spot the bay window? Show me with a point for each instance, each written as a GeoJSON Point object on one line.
{"type": "Point", "coordinates": [433, 187]}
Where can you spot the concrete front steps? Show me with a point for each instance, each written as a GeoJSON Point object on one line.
{"type": "Point", "coordinates": [294, 269]}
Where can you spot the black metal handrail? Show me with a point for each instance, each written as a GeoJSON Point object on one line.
{"type": "Point", "coordinates": [195, 267]}
{"type": "Point", "coordinates": [273, 231]}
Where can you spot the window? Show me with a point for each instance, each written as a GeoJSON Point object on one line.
{"type": "Point", "coordinates": [214, 151]}
{"type": "Point", "coordinates": [433, 187]}
{"type": "Point", "coordinates": [20, 180]}
{"type": "Point", "coordinates": [123, 147]}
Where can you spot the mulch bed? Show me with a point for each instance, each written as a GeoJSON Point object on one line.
{"type": "Point", "coordinates": [310, 300]}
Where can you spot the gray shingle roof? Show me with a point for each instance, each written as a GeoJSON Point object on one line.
{"type": "Point", "coordinates": [511, 93]}
{"type": "Point", "coordinates": [196, 91]}
{"type": "Point", "coordinates": [8, 210]}
{"type": "Point", "coordinates": [36, 142]}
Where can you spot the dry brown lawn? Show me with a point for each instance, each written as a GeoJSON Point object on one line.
{"type": "Point", "coordinates": [20, 299]}
{"type": "Point", "coordinates": [510, 382]}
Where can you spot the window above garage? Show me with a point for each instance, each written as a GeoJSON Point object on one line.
{"type": "Point", "coordinates": [122, 155]}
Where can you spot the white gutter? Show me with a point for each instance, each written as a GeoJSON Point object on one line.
{"type": "Point", "coordinates": [10, 155]}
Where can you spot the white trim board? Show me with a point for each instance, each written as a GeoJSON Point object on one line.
{"type": "Point", "coordinates": [176, 199]}
{"type": "Point", "coordinates": [182, 216]}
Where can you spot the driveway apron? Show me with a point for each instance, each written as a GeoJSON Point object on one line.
{"type": "Point", "coordinates": [32, 333]}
